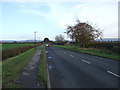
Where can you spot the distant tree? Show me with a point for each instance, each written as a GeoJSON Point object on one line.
{"type": "Point", "coordinates": [83, 33]}
{"type": "Point", "coordinates": [46, 40]}
{"type": "Point", "coordinates": [15, 42]}
{"type": "Point", "coordinates": [60, 39]}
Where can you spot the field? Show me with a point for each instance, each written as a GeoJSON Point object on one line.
{"type": "Point", "coordinates": [13, 45]}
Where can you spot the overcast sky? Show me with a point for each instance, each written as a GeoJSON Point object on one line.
{"type": "Point", "coordinates": [21, 19]}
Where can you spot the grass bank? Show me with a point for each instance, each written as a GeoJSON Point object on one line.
{"type": "Point", "coordinates": [97, 52]}
{"type": "Point", "coordinates": [12, 68]}
{"type": "Point", "coordinates": [42, 73]}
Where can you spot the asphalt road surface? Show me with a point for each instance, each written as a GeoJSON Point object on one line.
{"type": "Point", "coordinates": [70, 69]}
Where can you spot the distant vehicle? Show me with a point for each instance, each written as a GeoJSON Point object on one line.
{"type": "Point", "coordinates": [48, 45]}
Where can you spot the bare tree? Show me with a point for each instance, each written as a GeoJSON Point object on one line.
{"type": "Point", "coordinates": [59, 38]}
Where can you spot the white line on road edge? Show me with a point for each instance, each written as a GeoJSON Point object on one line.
{"type": "Point", "coordinates": [86, 61]}
{"type": "Point", "coordinates": [113, 74]}
{"type": "Point", "coordinates": [71, 55]}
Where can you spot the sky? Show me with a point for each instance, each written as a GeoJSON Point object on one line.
{"type": "Point", "coordinates": [19, 20]}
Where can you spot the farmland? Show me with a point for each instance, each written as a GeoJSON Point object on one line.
{"type": "Point", "coordinates": [14, 45]}
{"type": "Point", "coordinates": [13, 49]}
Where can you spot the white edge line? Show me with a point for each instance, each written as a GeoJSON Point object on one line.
{"type": "Point", "coordinates": [48, 83]}
{"type": "Point", "coordinates": [86, 61]}
{"type": "Point", "coordinates": [113, 74]}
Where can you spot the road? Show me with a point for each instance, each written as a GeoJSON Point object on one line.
{"type": "Point", "coordinates": [70, 69]}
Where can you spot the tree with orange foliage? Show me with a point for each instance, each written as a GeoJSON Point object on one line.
{"type": "Point", "coordinates": [83, 33]}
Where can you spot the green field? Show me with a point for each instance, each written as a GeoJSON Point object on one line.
{"type": "Point", "coordinates": [12, 67]}
{"type": "Point", "coordinates": [102, 53]}
{"type": "Point", "coordinates": [8, 46]}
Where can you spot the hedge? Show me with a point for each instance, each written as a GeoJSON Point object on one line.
{"type": "Point", "coordinates": [15, 51]}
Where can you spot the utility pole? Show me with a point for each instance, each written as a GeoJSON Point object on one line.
{"type": "Point", "coordinates": [39, 39]}
{"type": "Point", "coordinates": [35, 37]}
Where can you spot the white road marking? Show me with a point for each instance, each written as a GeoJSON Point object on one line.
{"type": "Point", "coordinates": [49, 57]}
{"type": "Point", "coordinates": [71, 55]}
{"type": "Point", "coordinates": [113, 74]}
{"type": "Point", "coordinates": [38, 84]}
{"type": "Point", "coordinates": [46, 51]}
{"type": "Point", "coordinates": [86, 61]}
{"type": "Point", "coordinates": [25, 73]}
{"type": "Point", "coordinates": [50, 67]}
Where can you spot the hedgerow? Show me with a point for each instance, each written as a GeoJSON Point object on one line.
{"type": "Point", "coordinates": [15, 51]}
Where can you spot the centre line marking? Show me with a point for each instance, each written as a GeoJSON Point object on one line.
{"type": "Point", "coordinates": [86, 61]}
{"type": "Point", "coordinates": [49, 57]}
{"type": "Point", "coordinates": [113, 74]}
{"type": "Point", "coordinates": [71, 55]}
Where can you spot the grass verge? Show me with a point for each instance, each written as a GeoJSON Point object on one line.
{"type": "Point", "coordinates": [42, 73]}
{"type": "Point", "coordinates": [96, 52]}
{"type": "Point", "coordinates": [12, 68]}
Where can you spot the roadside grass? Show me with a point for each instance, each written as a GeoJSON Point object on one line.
{"type": "Point", "coordinates": [42, 73]}
{"type": "Point", "coordinates": [0, 46]}
{"type": "Point", "coordinates": [97, 52]}
{"type": "Point", "coordinates": [105, 54]}
{"type": "Point", "coordinates": [68, 47]}
{"type": "Point", "coordinates": [0, 66]}
{"type": "Point", "coordinates": [13, 45]}
{"type": "Point", "coordinates": [12, 68]}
